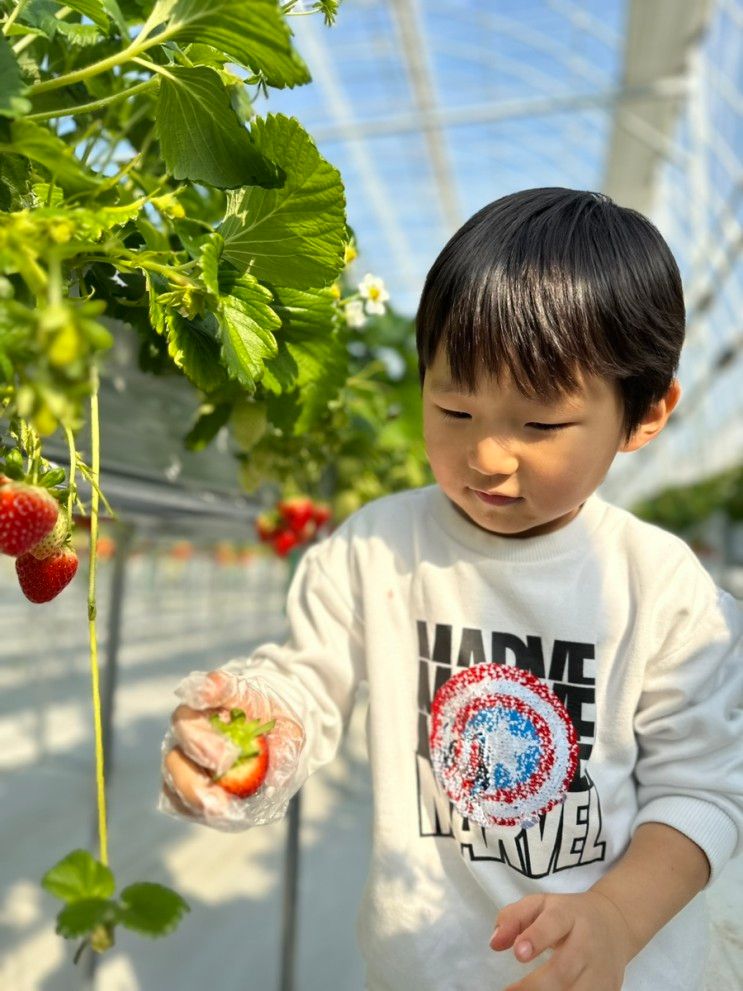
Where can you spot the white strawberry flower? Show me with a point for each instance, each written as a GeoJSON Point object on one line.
{"type": "Point", "coordinates": [355, 313]}
{"type": "Point", "coordinates": [372, 290]}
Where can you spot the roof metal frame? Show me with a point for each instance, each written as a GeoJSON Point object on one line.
{"type": "Point", "coordinates": [660, 40]}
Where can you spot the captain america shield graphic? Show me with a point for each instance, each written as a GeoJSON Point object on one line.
{"type": "Point", "coordinates": [503, 747]}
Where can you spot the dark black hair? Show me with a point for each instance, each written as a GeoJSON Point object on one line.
{"type": "Point", "coordinates": [543, 282]}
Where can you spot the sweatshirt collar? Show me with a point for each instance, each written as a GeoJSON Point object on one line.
{"type": "Point", "coordinates": [574, 537]}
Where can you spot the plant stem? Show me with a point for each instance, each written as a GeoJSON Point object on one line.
{"type": "Point", "coordinates": [14, 14]}
{"type": "Point", "coordinates": [140, 44]}
{"type": "Point", "coordinates": [73, 472]}
{"type": "Point", "coordinates": [95, 470]}
{"type": "Point", "coordinates": [153, 67]}
{"type": "Point", "coordinates": [22, 45]}
{"type": "Point", "coordinates": [85, 108]}
{"type": "Point", "coordinates": [118, 58]}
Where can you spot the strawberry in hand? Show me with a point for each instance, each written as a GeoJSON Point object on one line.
{"type": "Point", "coordinates": [27, 514]}
{"type": "Point", "coordinates": [249, 771]}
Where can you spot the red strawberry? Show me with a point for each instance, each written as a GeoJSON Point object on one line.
{"type": "Point", "coordinates": [27, 513]}
{"type": "Point", "coordinates": [284, 541]}
{"type": "Point", "coordinates": [43, 580]}
{"type": "Point", "coordinates": [297, 511]}
{"type": "Point", "coordinates": [307, 532]}
{"type": "Point", "coordinates": [249, 771]}
{"type": "Point", "coordinates": [322, 513]}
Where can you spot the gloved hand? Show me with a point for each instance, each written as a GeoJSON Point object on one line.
{"type": "Point", "coordinates": [195, 754]}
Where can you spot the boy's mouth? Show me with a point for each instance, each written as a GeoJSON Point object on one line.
{"type": "Point", "coordinates": [496, 500]}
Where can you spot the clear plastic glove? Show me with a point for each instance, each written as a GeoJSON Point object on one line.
{"type": "Point", "coordinates": [194, 753]}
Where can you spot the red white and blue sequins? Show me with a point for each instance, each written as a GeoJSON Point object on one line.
{"type": "Point", "coordinates": [503, 747]}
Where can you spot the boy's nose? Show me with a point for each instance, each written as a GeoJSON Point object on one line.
{"type": "Point", "coordinates": [490, 456]}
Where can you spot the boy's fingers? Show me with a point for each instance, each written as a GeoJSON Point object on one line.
{"type": "Point", "coordinates": [192, 784]}
{"type": "Point", "coordinates": [175, 801]}
{"type": "Point", "coordinates": [217, 689]}
{"type": "Point", "coordinates": [199, 740]}
{"type": "Point", "coordinates": [514, 919]}
{"type": "Point", "coordinates": [549, 928]}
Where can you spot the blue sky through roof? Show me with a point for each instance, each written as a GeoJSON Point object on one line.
{"type": "Point", "coordinates": [479, 57]}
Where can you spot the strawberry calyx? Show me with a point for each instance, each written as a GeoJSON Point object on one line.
{"type": "Point", "coordinates": [243, 732]}
{"type": "Point", "coordinates": [55, 540]}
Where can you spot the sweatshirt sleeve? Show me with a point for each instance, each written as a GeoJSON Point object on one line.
{"type": "Point", "coordinates": [318, 668]}
{"type": "Point", "coordinates": [689, 729]}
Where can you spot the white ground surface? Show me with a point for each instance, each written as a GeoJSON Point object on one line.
{"type": "Point", "coordinates": [181, 617]}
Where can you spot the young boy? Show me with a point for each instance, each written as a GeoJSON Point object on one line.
{"type": "Point", "coordinates": [588, 653]}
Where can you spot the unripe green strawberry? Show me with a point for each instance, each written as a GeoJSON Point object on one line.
{"type": "Point", "coordinates": [345, 503]}
{"type": "Point", "coordinates": [249, 422]}
{"type": "Point", "coordinates": [267, 525]}
{"type": "Point", "coordinates": [53, 540]}
{"type": "Point", "coordinates": [249, 476]}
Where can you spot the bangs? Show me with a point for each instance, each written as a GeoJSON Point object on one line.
{"type": "Point", "coordinates": [528, 287]}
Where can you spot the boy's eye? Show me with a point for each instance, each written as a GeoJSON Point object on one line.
{"type": "Point", "coordinates": [457, 415]}
{"type": "Point", "coordinates": [453, 413]}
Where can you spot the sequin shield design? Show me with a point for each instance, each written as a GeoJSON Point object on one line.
{"type": "Point", "coordinates": [503, 747]}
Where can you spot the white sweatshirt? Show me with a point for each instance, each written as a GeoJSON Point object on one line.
{"type": "Point", "coordinates": [618, 618]}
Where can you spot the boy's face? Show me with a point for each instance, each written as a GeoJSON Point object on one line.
{"type": "Point", "coordinates": [496, 444]}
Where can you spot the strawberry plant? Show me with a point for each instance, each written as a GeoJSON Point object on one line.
{"type": "Point", "coordinates": [140, 189]}
{"type": "Point", "coordinates": [87, 886]}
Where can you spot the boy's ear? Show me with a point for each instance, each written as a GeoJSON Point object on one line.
{"type": "Point", "coordinates": [654, 420]}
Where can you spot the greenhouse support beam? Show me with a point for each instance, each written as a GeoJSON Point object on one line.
{"type": "Point", "coordinates": [409, 22]}
{"type": "Point", "coordinates": [671, 88]}
{"type": "Point", "coordinates": [291, 875]}
{"type": "Point", "coordinates": [660, 39]}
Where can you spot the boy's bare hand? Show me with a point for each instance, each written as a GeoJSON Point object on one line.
{"type": "Point", "coordinates": [589, 936]}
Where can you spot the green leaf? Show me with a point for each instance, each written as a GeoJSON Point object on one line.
{"type": "Point", "coordinates": [251, 33]}
{"type": "Point", "coordinates": [79, 875]}
{"type": "Point", "coordinates": [201, 138]}
{"type": "Point", "coordinates": [15, 172]}
{"type": "Point", "coordinates": [246, 322]}
{"type": "Point", "coordinates": [41, 193]}
{"type": "Point", "coordinates": [82, 917]}
{"type": "Point", "coordinates": [315, 342]}
{"type": "Point", "coordinates": [210, 421]}
{"type": "Point", "coordinates": [195, 351]}
{"type": "Point", "coordinates": [151, 909]}
{"type": "Point", "coordinates": [115, 13]}
{"type": "Point", "coordinates": [82, 35]}
{"type": "Point", "coordinates": [295, 235]}
{"type": "Point", "coordinates": [96, 11]}
{"type": "Point", "coordinates": [12, 87]}
{"type": "Point", "coordinates": [40, 14]}
{"type": "Point", "coordinates": [41, 146]}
